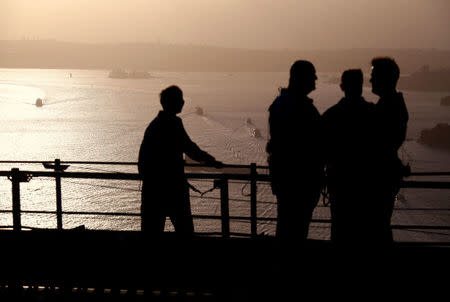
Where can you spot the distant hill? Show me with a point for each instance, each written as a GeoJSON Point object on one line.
{"type": "Point", "coordinates": [422, 80]}
{"type": "Point", "coordinates": [427, 80]}
{"type": "Point", "coordinates": [148, 56]}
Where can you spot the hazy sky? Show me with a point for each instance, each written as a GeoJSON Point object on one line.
{"type": "Point", "coordinates": [301, 24]}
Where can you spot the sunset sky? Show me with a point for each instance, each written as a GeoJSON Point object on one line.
{"type": "Point", "coordinates": [301, 24]}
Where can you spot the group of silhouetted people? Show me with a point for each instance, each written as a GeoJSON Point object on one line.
{"type": "Point", "coordinates": [352, 150]}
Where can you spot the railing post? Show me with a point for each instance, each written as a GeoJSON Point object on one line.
{"type": "Point", "coordinates": [58, 168]}
{"type": "Point", "coordinates": [253, 209]}
{"type": "Point", "coordinates": [224, 206]}
{"type": "Point", "coordinates": [16, 178]}
{"type": "Point", "coordinates": [59, 222]}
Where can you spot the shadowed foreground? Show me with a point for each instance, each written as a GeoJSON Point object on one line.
{"type": "Point", "coordinates": [84, 265]}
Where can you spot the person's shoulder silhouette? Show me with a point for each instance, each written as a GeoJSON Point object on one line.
{"type": "Point", "coordinates": [352, 108]}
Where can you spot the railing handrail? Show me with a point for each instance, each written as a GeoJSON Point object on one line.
{"type": "Point", "coordinates": [231, 176]}
{"type": "Point", "coordinates": [129, 163]}
{"type": "Point", "coordinates": [135, 176]}
{"type": "Point", "coordinates": [122, 163]}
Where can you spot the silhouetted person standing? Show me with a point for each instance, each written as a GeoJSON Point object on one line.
{"type": "Point", "coordinates": [295, 160]}
{"type": "Point", "coordinates": [165, 191]}
{"type": "Point", "coordinates": [391, 126]}
{"type": "Point", "coordinates": [349, 144]}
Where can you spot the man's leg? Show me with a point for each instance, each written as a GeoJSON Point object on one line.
{"type": "Point", "coordinates": [295, 209]}
{"type": "Point", "coordinates": [182, 217]}
{"type": "Point", "coordinates": [153, 222]}
{"type": "Point", "coordinates": [183, 223]}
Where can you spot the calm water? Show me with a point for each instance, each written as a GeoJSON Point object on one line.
{"type": "Point", "coordinates": [90, 117]}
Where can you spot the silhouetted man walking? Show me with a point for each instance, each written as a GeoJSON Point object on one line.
{"type": "Point", "coordinates": [165, 191]}
{"type": "Point", "coordinates": [295, 160]}
{"type": "Point", "coordinates": [349, 143]}
{"type": "Point", "coordinates": [391, 126]}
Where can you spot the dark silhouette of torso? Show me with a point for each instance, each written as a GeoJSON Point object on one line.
{"type": "Point", "coordinates": [392, 117]}
{"type": "Point", "coordinates": [294, 145]}
{"type": "Point", "coordinates": [349, 132]}
{"type": "Point", "coordinates": [295, 162]}
{"type": "Point", "coordinates": [391, 125]}
{"type": "Point", "coordinates": [349, 135]}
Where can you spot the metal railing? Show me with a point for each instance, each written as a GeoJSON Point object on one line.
{"type": "Point", "coordinates": [221, 181]}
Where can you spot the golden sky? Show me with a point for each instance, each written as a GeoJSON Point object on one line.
{"type": "Point", "coordinates": [301, 24]}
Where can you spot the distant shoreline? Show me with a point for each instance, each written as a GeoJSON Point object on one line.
{"type": "Point", "coordinates": [51, 54]}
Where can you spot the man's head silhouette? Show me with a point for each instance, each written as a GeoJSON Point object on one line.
{"type": "Point", "coordinates": [384, 76]}
{"type": "Point", "coordinates": [302, 79]}
{"type": "Point", "coordinates": [352, 82]}
{"type": "Point", "coordinates": [171, 99]}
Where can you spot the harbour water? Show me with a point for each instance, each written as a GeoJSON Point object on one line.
{"type": "Point", "coordinates": [87, 116]}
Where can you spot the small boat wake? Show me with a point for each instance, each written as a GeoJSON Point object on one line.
{"type": "Point", "coordinates": [196, 111]}
{"type": "Point", "coordinates": [254, 132]}
{"type": "Point", "coordinates": [241, 145]}
{"type": "Point", "coordinates": [12, 93]}
{"type": "Point", "coordinates": [249, 129]}
{"type": "Point", "coordinates": [40, 102]}
{"type": "Point", "coordinates": [63, 101]}
{"type": "Point", "coordinates": [238, 143]}
{"type": "Point", "coordinates": [247, 143]}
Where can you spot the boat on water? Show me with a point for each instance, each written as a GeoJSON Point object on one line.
{"type": "Point", "coordinates": [198, 110]}
{"type": "Point", "coordinates": [255, 133]}
{"type": "Point", "coordinates": [39, 102]}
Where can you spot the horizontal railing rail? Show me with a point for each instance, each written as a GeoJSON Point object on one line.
{"type": "Point", "coordinates": [130, 163]}
{"type": "Point", "coordinates": [221, 180]}
{"type": "Point", "coordinates": [120, 163]}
